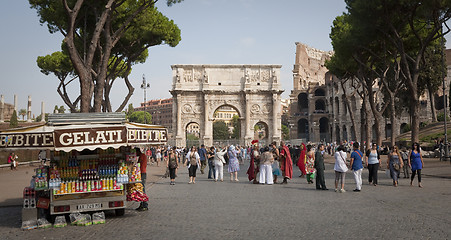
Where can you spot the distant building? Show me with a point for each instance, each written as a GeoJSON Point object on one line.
{"type": "Point", "coordinates": [161, 111]}
{"type": "Point", "coordinates": [225, 114]}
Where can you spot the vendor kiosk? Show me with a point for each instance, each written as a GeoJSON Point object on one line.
{"type": "Point", "coordinates": [93, 160]}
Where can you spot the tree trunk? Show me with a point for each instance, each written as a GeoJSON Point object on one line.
{"type": "Point", "coordinates": [393, 120]}
{"type": "Point", "coordinates": [432, 100]}
{"type": "Point", "coordinates": [351, 113]}
{"type": "Point", "coordinates": [367, 123]}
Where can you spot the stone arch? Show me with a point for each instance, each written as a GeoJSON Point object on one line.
{"type": "Point", "coordinates": [324, 129]}
{"type": "Point", "coordinates": [303, 129]}
{"type": "Point", "coordinates": [337, 133]}
{"type": "Point", "coordinates": [254, 91]}
{"type": "Point", "coordinates": [303, 102]}
{"type": "Point", "coordinates": [320, 105]}
{"type": "Point", "coordinates": [345, 133]}
{"type": "Point", "coordinates": [337, 105]}
{"type": "Point", "coordinates": [261, 132]}
{"type": "Point", "coordinates": [192, 133]}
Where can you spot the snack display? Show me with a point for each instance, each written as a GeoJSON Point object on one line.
{"type": "Point", "coordinates": [43, 223]}
{"type": "Point", "coordinates": [135, 193]}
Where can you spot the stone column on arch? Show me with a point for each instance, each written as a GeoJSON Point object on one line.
{"type": "Point", "coordinates": [247, 121]}
{"type": "Point", "coordinates": [208, 128]}
{"type": "Point", "coordinates": [179, 126]}
{"type": "Point", "coordinates": [276, 136]}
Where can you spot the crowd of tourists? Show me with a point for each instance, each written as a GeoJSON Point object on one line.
{"type": "Point", "coordinates": [273, 164]}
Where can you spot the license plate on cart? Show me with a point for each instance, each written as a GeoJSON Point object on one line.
{"type": "Point", "coordinates": [89, 206]}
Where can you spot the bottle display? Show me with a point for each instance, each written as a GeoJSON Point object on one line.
{"type": "Point", "coordinates": [104, 171]}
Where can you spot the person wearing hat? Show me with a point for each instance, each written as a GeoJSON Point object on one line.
{"type": "Point", "coordinates": [234, 165]}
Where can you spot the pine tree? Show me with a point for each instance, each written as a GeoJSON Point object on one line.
{"type": "Point", "coordinates": [13, 123]}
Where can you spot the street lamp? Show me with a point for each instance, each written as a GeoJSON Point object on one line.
{"type": "Point", "coordinates": [145, 86]}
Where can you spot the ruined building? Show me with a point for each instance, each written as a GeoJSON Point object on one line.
{"type": "Point", "coordinates": [318, 111]}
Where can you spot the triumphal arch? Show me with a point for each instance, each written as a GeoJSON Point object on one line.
{"type": "Point", "coordinates": [254, 91]}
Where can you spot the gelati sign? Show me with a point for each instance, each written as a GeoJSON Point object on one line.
{"type": "Point", "coordinates": [90, 136]}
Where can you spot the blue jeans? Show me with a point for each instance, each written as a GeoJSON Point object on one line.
{"type": "Point", "coordinates": [211, 170]}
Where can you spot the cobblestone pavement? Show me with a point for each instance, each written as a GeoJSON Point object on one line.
{"type": "Point", "coordinates": [240, 210]}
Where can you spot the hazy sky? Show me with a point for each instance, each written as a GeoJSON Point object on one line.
{"type": "Point", "coordinates": [213, 32]}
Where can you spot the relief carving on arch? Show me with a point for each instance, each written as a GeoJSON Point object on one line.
{"type": "Point", "coordinates": [188, 76]}
{"type": "Point", "coordinates": [187, 108]}
{"type": "Point", "coordinates": [264, 75]}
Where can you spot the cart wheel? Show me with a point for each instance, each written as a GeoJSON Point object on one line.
{"type": "Point", "coordinates": [120, 212]}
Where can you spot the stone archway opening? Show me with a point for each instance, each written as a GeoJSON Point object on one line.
{"type": "Point", "coordinates": [320, 106]}
{"type": "Point", "coordinates": [261, 133]}
{"type": "Point", "coordinates": [303, 129]}
{"type": "Point", "coordinates": [303, 102]}
{"type": "Point", "coordinates": [226, 125]}
{"type": "Point", "coordinates": [324, 129]}
{"type": "Point", "coordinates": [192, 134]}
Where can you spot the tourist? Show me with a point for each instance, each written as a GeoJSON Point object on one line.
{"type": "Point", "coordinates": [357, 166]}
{"type": "Point", "coordinates": [372, 161]}
{"type": "Point", "coordinates": [310, 164]}
{"type": "Point", "coordinates": [416, 163]}
{"type": "Point", "coordinates": [267, 159]}
{"type": "Point", "coordinates": [286, 165]}
{"type": "Point", "coordinates": [149, 155]}
{"type": "Point", "coordinates": [319, 166]}
{"type": "Point", "coordinates": [172, 164]}
{"type": "Point", "coordinates": [405, 160]}
{"type": "Point", "coordinates": [203, 158]}
{"type": "Point", "coordinates": [211, 164]}
{"type": "Point", "coordinates": [219, 162]}
{"type": "Point", "coordinates": [276, 164]}
{"type": "Point", "coordinates": [158, 156]}
{"type": "Point", "coordinates": [143, 206]}
{"type": "Point", "coordinates": [394, 163]}
{"type": "Point", "coordinates": [340, 168]}
{"type": "Point", "coordinates": [193, 162]}
{"type": "Point", "coordinates": [254, 165]}
{"type": "Point", "coordinates": [12, 160]}
{"type": "Point", "coordinates": [234, 165]}
{"type": "Point", "coordinates": [301, 161]}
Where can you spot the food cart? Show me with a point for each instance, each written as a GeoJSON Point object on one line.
{"type": "Point", "coordinates": [92, 159]}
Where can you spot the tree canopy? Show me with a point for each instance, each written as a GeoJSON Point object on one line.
{"type": "Point", "coordinates": [103, 40]}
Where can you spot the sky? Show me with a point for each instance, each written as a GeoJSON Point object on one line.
{"type": "Point", "coordinates": [212, 31]}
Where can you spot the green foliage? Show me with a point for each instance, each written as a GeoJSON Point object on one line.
{"type": "Point", "coordinates": [220, 130]}
{"type": "Point", "coordinates": [23, 113]}
{"type": "Point", "coordinates": [59, 109]}
{"type": "Point", "coordinates": [432, 137]}
{"type": "Point", "coordinates": [406, 128]}
{"type": "Point", "coordinates": [38, 118]}
{"type": "Point", "coordinates": [191, 137]}
{"type": "Point", "coordinates": [236, 127]}
{"type": "Point", "coordinates": [57, 63]}
{"type": "Point", "coordinates": [13, 123]}
{"type": "Point", "coordinates": [441, 117]}
{"type": "Point", "coordinates": [130, 110]}
{"type": "Point", "coordinates": [140, 117]}
{"type": "Point", "coordinates": [423, 124]}
{"type": "Point", "coordinates": [285, 132]}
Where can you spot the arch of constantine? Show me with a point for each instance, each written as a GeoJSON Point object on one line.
{"type": "Point", "coordinates": [254, 91]}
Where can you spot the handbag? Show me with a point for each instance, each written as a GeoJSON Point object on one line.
{"type": "Point", "coordinates": [396, 166]}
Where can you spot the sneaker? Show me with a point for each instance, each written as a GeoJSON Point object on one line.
{"type": "Point", "coordinates": [356, 190]}
{"type": "Point", "coordinates": [342, 190]}
{"type": "Point", "coordinates": [336, 190]}
{"type": "Point", "coordinates": [142, 209]}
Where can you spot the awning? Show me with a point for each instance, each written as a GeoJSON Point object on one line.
{"type": "Point", "coordinates": [83, 136]}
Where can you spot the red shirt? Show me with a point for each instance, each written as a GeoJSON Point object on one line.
{"type": "Point", "coordinates": [143, 162]}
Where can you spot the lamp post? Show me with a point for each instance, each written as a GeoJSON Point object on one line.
{"type": "Point", "coordinates": [145, 86]}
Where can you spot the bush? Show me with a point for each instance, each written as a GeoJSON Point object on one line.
{"type": "Point", "coordinates": [13, 123]}
{"type": "Point", "coordinates": [441, 117]}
